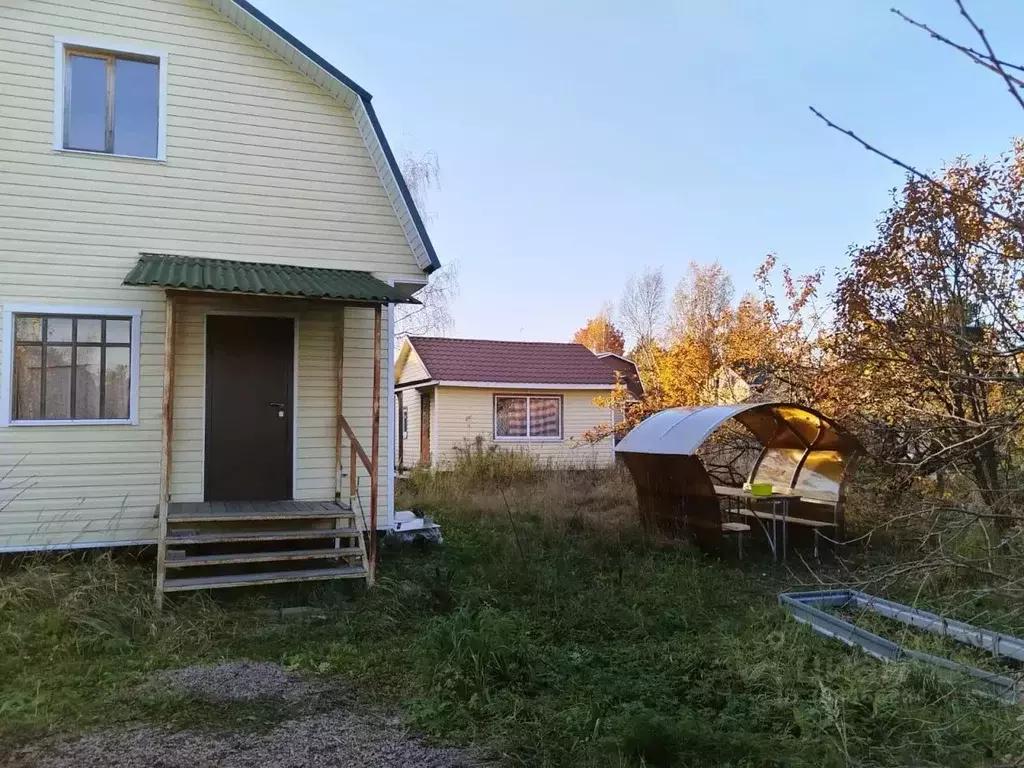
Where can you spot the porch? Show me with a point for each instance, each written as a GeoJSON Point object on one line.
{"type": "Point", "coordinates": [274, 422]}
{"type": "Point", "coordinates": [215, 544]}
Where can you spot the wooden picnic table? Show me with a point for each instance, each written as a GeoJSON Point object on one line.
{"type": "Point", "coordinates": [780, 504]}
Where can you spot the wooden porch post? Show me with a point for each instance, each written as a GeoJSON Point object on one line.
{"type": "Point", "coordinates": [339, 409]}
{"type": "Point", "coordinates": [375, 442]}
{"type": "Point", "coordinates": [167, 433]}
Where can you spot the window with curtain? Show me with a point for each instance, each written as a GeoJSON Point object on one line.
{"type": "Point", "coordinates": [71, 368]}
{"type": "Point", "coordinates": [522, 417]}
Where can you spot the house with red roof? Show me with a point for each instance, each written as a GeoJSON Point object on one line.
{"type": "Point", "coordinates": [455, 394]}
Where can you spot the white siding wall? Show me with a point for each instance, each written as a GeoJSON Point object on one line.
{"type": "Point", "coordinates": [261, 165]}
{"type": "Point", "coordinates": [316, 392]}
{"type": "Point", "coordinates": [411, 444]}
{"type": "Point", "coordinates": [100, 484]}
{"type": "Point", "coordinates": [410, 367]}
{"type": "Point", "coordinates": [464, 413]}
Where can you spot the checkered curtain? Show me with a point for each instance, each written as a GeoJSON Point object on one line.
{"type": "Point", "coordinates": [544, 416]}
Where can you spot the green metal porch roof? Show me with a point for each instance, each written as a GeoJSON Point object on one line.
{"type": "Point", "coordinates": [198, 274]}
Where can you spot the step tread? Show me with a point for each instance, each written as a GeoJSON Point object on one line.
{"type": "Point", "coordinates": [261, 557]}
{"type": "Point", "coordinates": [278, 577]}
{"type": "Point", "coordinates": [219, 511]}
{"type": "Point", "coordinates": [177, 538]}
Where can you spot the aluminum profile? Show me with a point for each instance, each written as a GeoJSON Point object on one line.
{"type": "Point", "coordinates": [808, 608]}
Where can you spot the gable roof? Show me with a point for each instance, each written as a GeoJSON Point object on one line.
{"type": "Point", "coordinates": [278, 40]}
{"type": "Point", "coordinates": [627, 369]}
{"type": "Point", "coordinates": [511, 362]}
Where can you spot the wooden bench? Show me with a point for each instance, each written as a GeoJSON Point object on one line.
{"type": "Point", "coordinates": [815, 525]}
{"type": "Point", "coordinates": [738, 529]}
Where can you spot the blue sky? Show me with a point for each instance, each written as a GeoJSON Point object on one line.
{"type": "Point", "coordinates": [581, 140]}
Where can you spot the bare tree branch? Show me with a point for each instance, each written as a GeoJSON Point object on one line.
{"type": "Point", "coordinates": [1010, 82]}
{"type": "Point", "coordinates": [976, 56]}
{"type": "Point", "coordinates": [433, 316]}
{"type": "Point", "coordinates": [919, 174]}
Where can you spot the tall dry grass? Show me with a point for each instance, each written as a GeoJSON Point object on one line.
{"type": "Point", "coordinates": [495, 482]}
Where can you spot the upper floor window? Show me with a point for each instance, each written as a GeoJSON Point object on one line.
{"type": "Point", "coordinates": [110, 100]}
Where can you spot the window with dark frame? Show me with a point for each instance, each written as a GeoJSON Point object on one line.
{"type": "Point", "coordinates": [111, 103]}
{"type": "Point", "coordinates": [71, 368]}
{"type": "Point", "coordinates": [527, 416]}
{"type": "Point", "coordinates": [405, 422]}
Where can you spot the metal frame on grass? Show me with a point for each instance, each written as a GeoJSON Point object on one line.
{"type": "Point", "coordinates": [806, 607]}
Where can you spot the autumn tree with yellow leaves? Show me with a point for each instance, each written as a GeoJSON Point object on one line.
{"type": "Point", "coordinates": [929, 320]}
{"type": "Point", "coordinates": [714, 343]}
{"type": "Point", "coordinates": [600, 334]}
{"type": "Point", "coordinates": [710, 348]}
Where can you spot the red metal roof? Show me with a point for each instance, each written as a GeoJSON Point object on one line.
{"type": "Point", "coordinates": [511, 362]}
{"type": "Point", "coordinates": [628, 371]}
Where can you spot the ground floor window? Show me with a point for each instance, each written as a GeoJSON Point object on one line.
{"type": "Point", "coordinates": [70, 366]}
{"type": "Point", "coordinates": [523, 417]}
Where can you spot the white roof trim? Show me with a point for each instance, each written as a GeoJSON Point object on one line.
{"type": "Point", "coordinates": [415, 385]}
{"type": "Point", "coordinates": [519, 385]}
{"type": "Point", "coordinates": [613, 354]}
{"type": "Point", "coordinates": [502, 385]}
{"type": "Point", "coordinates": [276, 39]}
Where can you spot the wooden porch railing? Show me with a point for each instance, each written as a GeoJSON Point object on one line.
{"type": "Point", "coordinates": [357, 454]}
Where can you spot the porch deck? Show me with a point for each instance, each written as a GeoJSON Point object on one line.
{"type": "Point", "coordinates": [227, 511]}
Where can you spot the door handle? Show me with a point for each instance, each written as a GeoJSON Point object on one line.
{"type": "Point", "coordinates": [277, 405]}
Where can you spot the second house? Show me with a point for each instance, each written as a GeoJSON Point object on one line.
{"type": "Point", "coordinates": [548, 399]}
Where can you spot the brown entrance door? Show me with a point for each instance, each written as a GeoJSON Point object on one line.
{"type": "Point", "coordinates": [249, 365]}
{"type": "Point", "coordinates": [425, 408]}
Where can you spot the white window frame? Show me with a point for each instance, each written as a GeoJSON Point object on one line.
{"type": "Point", "coordinates": [60, 46]}
{"type": "Point", "coordinates": [7, 363]}
{"type": "Point", "coordinates": [527, 438]}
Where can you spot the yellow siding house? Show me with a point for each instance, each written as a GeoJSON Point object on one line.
{"type": "Point", "coordinates": [204, 232]}
{"type": "Point", "coordinates": [455, 395]}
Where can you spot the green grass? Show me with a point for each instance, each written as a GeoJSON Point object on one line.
{"type": "Point", "coordinates": [595, 649]}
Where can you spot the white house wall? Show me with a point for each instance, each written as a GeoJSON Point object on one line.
{"type": "Point", "coordinates": [261, 165]}
{"type": "Point", "coordinates": [465, 414]}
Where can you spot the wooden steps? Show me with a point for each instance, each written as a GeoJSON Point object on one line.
{"type": "Point", "coordinates": [181, 538]}
{"type": "Point", "coordinates": [198, 561]}
{"type": "Point", "coordinates": [222, 512]}
{"type": "Point", "coordinates": [269, 577]}
{"type": "Point", "coordinates": [236, 544]}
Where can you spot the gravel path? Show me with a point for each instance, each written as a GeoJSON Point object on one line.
{"type": "Point", "coordinates": [328, 739]}
{"type": "Point", "coordinates": [238, 681]}
{"type": "Point", "coordinates": [337, 737]}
